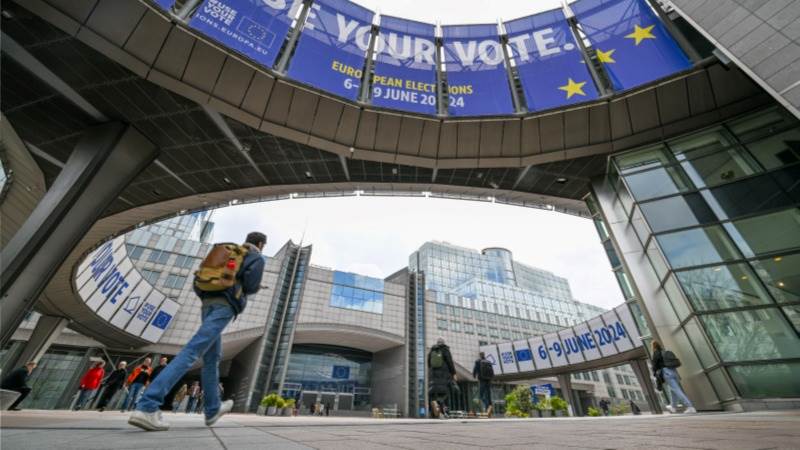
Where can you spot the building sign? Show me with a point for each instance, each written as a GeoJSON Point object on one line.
{"type": "Point", "coordinates": [340, 372]}
{"type": "Point", "coordinates": [107, 281]}
{"type": "Point", "coordinates": [549, 61]}
{"type": "Point", "coordinates": [507, 358]}
{"type": "Point", "coordinates": [254, 28]}
{"type": "Point", "coordinates": [477, 79]}
{"type": "Point", "coordinates": [332, 48]}
{"type": "Point", "coordinates": [164, 4]}
{"type": "Point", "coordinates": [524, 355]}
{"type": "Point", "coordinates": [405, 66]}
{"type": "Point", "coordinates": [630, 40]}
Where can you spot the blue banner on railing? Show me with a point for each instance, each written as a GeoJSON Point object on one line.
{"type": "Point", "coordinates": [477, 80]}
{"type": "Point", "coordinates": [164, 4]}
{"type": "Point", "coordinates": [254, 28]}
{"type": "Point", "coordinates": [549, 61]}
{"type": "Point", "coordinates": [631, 42]}
{"type": "Point", "coordinates": [332, 48]}
{"type": "Point", "coordinates": [405, 66]}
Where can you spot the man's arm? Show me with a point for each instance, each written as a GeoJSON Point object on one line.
{"type": "Point", "coordinates": [251, 278]}
{"type": "Point", "coordinates": [476, 369]}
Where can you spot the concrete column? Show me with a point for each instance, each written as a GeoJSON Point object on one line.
{"type": "Point", "coordinates": [570, 396]}
{"type": "Point", "coordinates": [102, 164]}
{"type": "Point", "coordinates": [642, 372]}
{"type": "Point", "coordinates": [47, 330]}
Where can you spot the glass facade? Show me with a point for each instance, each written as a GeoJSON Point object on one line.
{"type": "Point", "coordinates": [326, 368]}
{"type": "Point", "coordinates": [721, 229]}
{"type": "Point", "coordinates": [358, 292]}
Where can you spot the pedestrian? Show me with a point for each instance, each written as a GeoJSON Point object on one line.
{"type": "Point", "coordinates": [179, 396]}
{"type": "Point", "coordinates": [442, 373]}
{"type": "Point", "coordinates": [225, 278]}
{"type": "Point", "coordinates": [194, 396]}
{"type": "Point", "coordinates": [327, 409]}
{"type": "Point", "coordinates": [201, 399]}
{"type": "Point", "coordinates": [162, 363]}
{"type": "Point", "coordinates": [114, 381]}
{"type": "Point", "coordinates": [664, 363]}
{"type": "Point", "coordinates": [635, 408]}
{"type": "Point", "coordinates": [17, 381]}
{"type": "Point", "coordinates": [138, 379]}
{"type": "Point", "coordinates": [484, 372]}
{"type": "Point", "coordinates": [604, 406]}
{"type": "Point", "coordinates": [89, 383]}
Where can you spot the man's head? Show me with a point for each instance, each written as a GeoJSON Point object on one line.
{"type": "Point", "coordinates": [30, 365]}
{"type": "Point", "coordinates": [258, 239]}
{"type": "Point", "coordinates": [163, 361]}
{"type": "Point", "coordinates": [122, 364]}
{"type": "Point", "coordinates": [100, 364]}
{"type": "Point", "coordinates": [482, 355]}
{"type": "Point", "coordinates": [440, 341]}
{"type": "Point", "coordinates": [147, 361]}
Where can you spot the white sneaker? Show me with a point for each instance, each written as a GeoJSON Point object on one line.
{"type": "Point", "coordinates": [671, 409]}
{"type": "Point", "coordinates": [224, 408]}
{"type": "Point", "coordinates": [148, 421]}
{"type": "Point", "coordinates": [690, 410]}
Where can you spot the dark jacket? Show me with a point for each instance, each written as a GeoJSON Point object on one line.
{"type": "Point", "coordinates": [116, 378]}
{"type": "Point", "coordinates": [16, 379]}
{"type": "Point", "coordinates": [157, 371]}
{"type": "Point", "coordinates": [476, 370]}
{"type": "Point", "coordinates": [445, 373]}
{"type": "Point", "coordinates": [658, 362]}
{"type": "Point", "coordinates": [248, 278]}
{"type": "Point", "coordinates": [140, 374]}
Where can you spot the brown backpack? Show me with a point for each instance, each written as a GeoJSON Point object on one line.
{"type": "Point", "coordinates": [218, 270]}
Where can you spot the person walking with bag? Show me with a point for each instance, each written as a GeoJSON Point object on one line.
{"type": "Point", "coordinates": [89, 383]}
{"type": "Point", "coordinates": [225, 278]}
{"type": "Point", "coordinates": [112, 384]}
{"type": "Point", "coordinates": [484, 372]}
{"type": "Point", "coordinates": [443, 372]}
{"type": "Point", "coordinates": [664, 364]}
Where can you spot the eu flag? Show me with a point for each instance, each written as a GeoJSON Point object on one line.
{"type": "Point", "coordinates": [631, 42]}
{"type": "Point", "coordinates": [549, 61]}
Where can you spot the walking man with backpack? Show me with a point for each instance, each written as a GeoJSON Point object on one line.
{"type": "Point", "coordinates": [443, 373]}
{"type": "Point", "coordinates": [484, 372]}
{"type": "Point", "coordinates": [225, 278]}
{"type": "Point", "coordinates": [664, 364]}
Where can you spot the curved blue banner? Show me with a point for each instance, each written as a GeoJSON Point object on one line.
{"type": "Point", "coordinates": [405, 66]}
{"type": "Point", "coordinates": [332, 48]}
{"type": "Point", "coordinates": [477, 80]}
{"type": "Point", "coordinates": [630, 40]}
{"type": "Point", "coordinates": [549, 61]}
{"type": "Point", "coordinates": [254, 28]}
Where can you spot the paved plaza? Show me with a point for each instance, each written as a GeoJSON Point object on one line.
{"type": "Point", "coordinates": [91, 430]}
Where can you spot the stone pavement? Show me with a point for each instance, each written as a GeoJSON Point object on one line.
{"type": "Point", "coordinates": [109, 430]}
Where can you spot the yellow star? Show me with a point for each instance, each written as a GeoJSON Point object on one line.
{"type": "Point", "coordinates": [605, 57]}
{"type": "Point", "coordinates": [572, 88]}
{"type": "Point", "coordinates": [639, 34]}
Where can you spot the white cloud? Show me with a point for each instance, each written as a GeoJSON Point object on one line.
{"type": "Point", "coordinates": [375, 235]}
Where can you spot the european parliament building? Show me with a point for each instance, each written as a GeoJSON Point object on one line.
{"type": "Point", "coordinates": [671, 124]}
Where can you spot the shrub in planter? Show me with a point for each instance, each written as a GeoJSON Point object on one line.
{"type": "Point", "coordinates": [593, 412]}
{"type": "Point", "coordinates": [288, 406]}
{"type": "Point", "coordinates": [545, 408]}
{"type": "Point", "coordinates": [620, 410]}
{"type": "Point", "coordinates": [270, 402]}
{"type": "Point", "coordinates": [559, 405]}
{"type": "Point", "coordinates": [518, 402]}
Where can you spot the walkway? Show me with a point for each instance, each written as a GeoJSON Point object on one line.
{"type": "Point", "coordinates": [91, 430]}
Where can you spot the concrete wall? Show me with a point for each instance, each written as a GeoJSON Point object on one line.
{"type": "Point", "coordinates": [389, 378]}
{"type": "Point", "coordinates": [761, 36]}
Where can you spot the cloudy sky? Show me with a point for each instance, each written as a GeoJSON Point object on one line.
{"type": "Point", "coordinates": [375, 235]}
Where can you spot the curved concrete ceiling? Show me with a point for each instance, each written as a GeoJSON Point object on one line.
{"type": "Point", "coordinates": [361, 338]}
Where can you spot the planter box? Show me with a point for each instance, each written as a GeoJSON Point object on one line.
{"type": "Point", "coordinates": [547, 413]}
{"type": "Point", "coordinates": [262, 410]}
{"type": "Point", "coordinates": [561, 413]}
{"type": "Point", "coordinates": [286, 411]}
{"type": "Point", "coordinates": [272, 410]}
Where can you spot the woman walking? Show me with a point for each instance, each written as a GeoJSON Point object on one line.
{"type": "Point", "coordinates": [664, 364]}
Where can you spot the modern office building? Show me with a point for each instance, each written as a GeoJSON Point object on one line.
{"type": "Point", "coordinates": [325, 336]}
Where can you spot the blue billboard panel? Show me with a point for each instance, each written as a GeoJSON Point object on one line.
{"type": "Point", "coordinates": [332, 48]}
{"type": "Point", "coordinates": [477, 80]}
{"type": "Point", "coordinates": [405, 66]}
{"type": "Point", "coordinates": [254, 28]}
{"type": "Point", "coordinates": [549, 61]}
{"type": "Point", "coordinates": [631, 42]}
{"type": "Point", "coordinates": [164, 4]}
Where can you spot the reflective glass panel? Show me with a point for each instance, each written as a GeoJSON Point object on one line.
{"type": "Point", "coordinates": [697, 247]}
{"type": "Point", "coordinates": [761, 124]}
{"type": "Point", "coordinates": [647, 158]}
{"type": "Point", "coordinates": [721, 384]}
{"type": "Point", "coordinates": [699, 343]}
{"type": "Point", "coordinates": [793, 314]}
{"type": "Point", "coordinates": [722, 287]}
{"type": "Point", "coordinates": [777, 150]}
{"type": "Point", "coordinates": [748, 196]}
{"type": "Point", "coordinates": [768, 380]}
{"type": "Point", "coordinates": [781, 274]}
{"type": "Point", "coordinates": [752, 335]}
{"type": "Point", "coordinates": [712, 158]}
{"type": "Point", "coordinates": [767, 233]}
{"type": "Point", "coordinates": [656, 183]}
{"type": "Point", "coordinates": [677, 212]}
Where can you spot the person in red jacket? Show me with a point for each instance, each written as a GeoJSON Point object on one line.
{"type": "Point", "coordinates": [89, 383]}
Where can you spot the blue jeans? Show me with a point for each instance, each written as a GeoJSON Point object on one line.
{"type": "Point", "coordinates": [206, 343]}
{"type": "Point", "coordinates": [83, 395]}
{"type": "Point", "coordinates": [485, 392]}
{"type": "Point", "coordinates": [133, 393]}
{"type": "Point", "coordinates": [676, 393]}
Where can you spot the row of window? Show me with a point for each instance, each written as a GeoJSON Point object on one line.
{"type": "Point", "coordinates": [162, 257]}
{"type": "Point", "coordinates": [497, 306]}
{"type": "Point", "coordinates": [173, 281]}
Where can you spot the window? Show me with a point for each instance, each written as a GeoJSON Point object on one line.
{"type": "Point", "coordinates": [627, 379]}
{"type": "Point", "coordinates": [624, 394]}
{"type": "Point", "coordinates": [752, 195]}
{"type": "Point", "coordinates": [722, 287]}
{"type": "Point", "coordinates": [441, 324]}
{"type": "Point", "coordinates": [767, 233]}
{"type": "Point", "coordinates": [595, 377]}
{"type": "Point", "coordinates": [752, 335]}
{"type": "Point", "coordinates": [657, 183]}
{"type": "Point", "coordinates": [611, 392]}
{"type": "Point", "coordinates": [697, 247]}
{"type": "Point", "coordinates": [768, 380]}
{"type": "Point", "coordinates": [781, 274]}
{"type": "Point", "coordinates": [158, 256]}
{"type": "Point", "coordinates": [455, 326]}
{"type": "Point", "coordinates": [712, 158]}
{"type": "Point", "coordinates": [469, 328]}
{"type": "Point", "coordinates": [778, 150]}
{"type": "Point", "coordinates": [606, 377]}
{"type": "Point", "coordinates": [357, 292]}
{"type": "Point", "coordinates": [619, 379]}
{"type": "Point", "coordinates": [135, 252]}
{"type": "Point", "coordinates": [185, 261]}
{"type": "Point", "coordinates": [677, 212]}
{"type": "Point", "coordinates": [647, 158]}
{"type": "Point", "coordinates": [151, 275]}
{"type": "Point", "coordinates": [174, 281]}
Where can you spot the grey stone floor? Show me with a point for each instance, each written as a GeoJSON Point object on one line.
{"type": "Point", "coordinates": [92, 430]}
